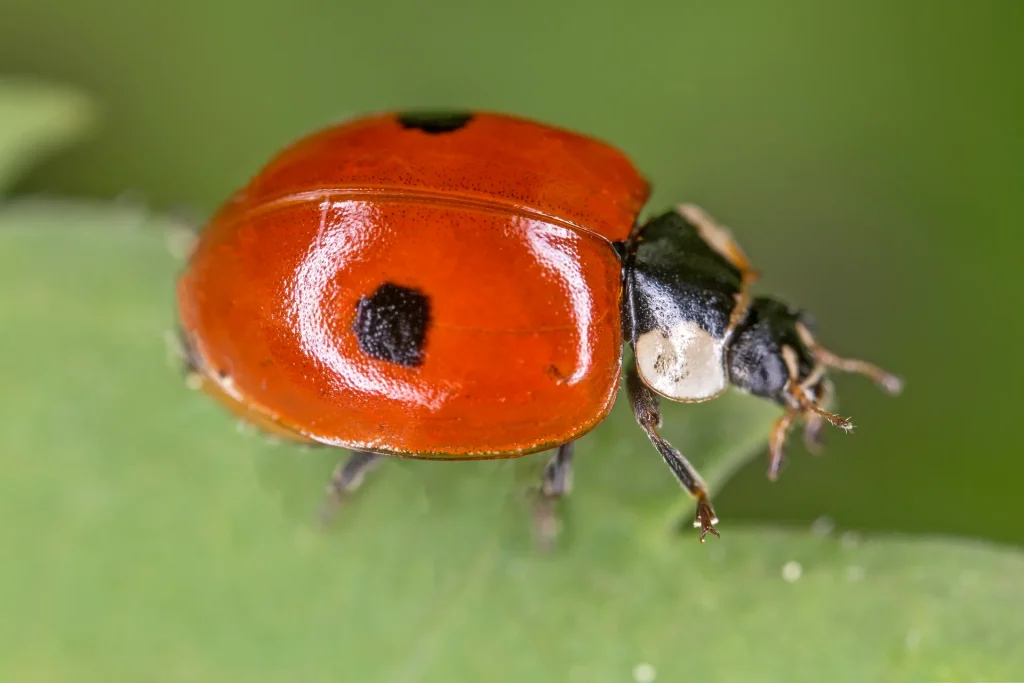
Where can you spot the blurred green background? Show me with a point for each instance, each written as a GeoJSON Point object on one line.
{"type": "Point", "coordinates": [868, 155]}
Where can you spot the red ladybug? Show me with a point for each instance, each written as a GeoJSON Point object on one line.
{"type": "Point", "coordinates": [459, 286]}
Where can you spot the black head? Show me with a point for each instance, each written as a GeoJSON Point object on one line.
{"type": "Point", "coordinates": [757, 360]}
{"type": "Point", "coordinates": [773, 354]}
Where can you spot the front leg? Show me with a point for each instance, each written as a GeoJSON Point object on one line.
{"type": "Point", "coordinates": [648, 415]}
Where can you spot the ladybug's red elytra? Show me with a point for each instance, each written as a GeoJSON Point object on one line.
{"type": "Point", "coordinates": [459, 286]}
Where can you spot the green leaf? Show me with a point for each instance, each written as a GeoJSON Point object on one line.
{"type": "Point", "coordinates": [145, 538]}
{"type": "Point", "coordinates": [37, 118]}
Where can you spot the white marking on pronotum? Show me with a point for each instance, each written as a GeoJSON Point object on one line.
{"type": "Point", "coordinates": [686, 364]}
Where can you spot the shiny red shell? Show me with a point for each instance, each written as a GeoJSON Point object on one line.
{"type": "Point", "coordinates": [506, 226]}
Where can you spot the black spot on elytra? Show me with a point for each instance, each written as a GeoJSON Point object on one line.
{"type": "Point", "coordinates": [434, 122]}
{"type": "Point", "coordinates": [391, 324]}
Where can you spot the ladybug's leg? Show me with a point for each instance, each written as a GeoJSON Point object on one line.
{"type": "Point", "coordinates": [557, 482]}
{"type": "Point", "coordinates": [887, 381]}
{"type": "Point", "coordinates": [346, 478]}
{"type": "Point", "coordinates": [648, 414]}
{"type": "Point", "coordinates": [815, 424]}
{"type": "Point", "coordinates": [808, 398]}
{"type": "Point", "coordinates": [777, 442]}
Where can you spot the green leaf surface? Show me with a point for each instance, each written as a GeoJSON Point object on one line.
{"type": "Point", "coordinates": [37, 118]}
{"type": "Point", "coordinates": [145, 538]}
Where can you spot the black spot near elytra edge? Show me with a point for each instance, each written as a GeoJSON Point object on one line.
{"type": "Point", "coordinates": [434, 122]}
{"type": "Point", "coordinates": [391, 324]}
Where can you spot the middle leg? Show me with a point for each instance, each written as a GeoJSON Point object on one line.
{"type": "Point", "coordinates": [346, 479]}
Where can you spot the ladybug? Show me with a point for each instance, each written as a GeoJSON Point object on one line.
{"type": "Point", "coordinates": [460, 285]}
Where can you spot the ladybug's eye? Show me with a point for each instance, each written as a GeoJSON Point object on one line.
{"type": "Point", "coordinates": [434, 122]}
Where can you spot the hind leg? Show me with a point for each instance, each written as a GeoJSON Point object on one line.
{"type": "Point", "coordinates": [346, 478]}
{"type": "Point", "coordinates": [556, 483]}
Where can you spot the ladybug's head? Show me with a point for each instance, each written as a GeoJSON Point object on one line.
{"type": "Point", "coordinates": [773, 354]}
{"type": "Point", "coordinates": [769, 348]}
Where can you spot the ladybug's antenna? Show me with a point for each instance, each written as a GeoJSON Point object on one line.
{"type": "Point", "coordinates": [887, 381]}
{"type": "Point", "coordinates": [814, 424]}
